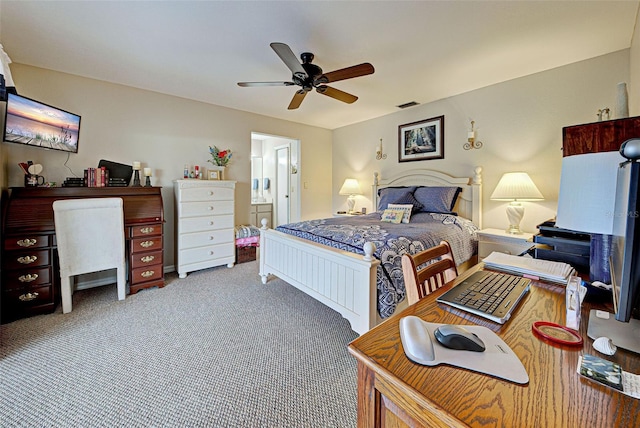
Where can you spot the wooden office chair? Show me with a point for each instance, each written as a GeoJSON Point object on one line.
{"type": "Point", "coordinates": [421, 282]}
{"type": "Point", "coordinates": [90, 237]}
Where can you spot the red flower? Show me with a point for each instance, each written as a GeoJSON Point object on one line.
{"type": "Point", "coordinates": [222, 154]}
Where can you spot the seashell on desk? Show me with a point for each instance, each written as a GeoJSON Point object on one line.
{"type": "Point", "coordinates": [604, 345]}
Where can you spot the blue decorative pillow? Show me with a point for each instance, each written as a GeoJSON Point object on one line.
{"type": "Point", "coordinates": [409, 199]}
{"type": "Point", "coordinates": [389, 195]}
{"type": "Point", "coordinates": [437, 199]}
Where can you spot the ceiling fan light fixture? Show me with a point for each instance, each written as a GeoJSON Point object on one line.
{"type": "Point", "coordinates": [309, 76]}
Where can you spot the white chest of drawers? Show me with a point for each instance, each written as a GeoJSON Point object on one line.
{"type": "Point", "coordinates": [204, 220]}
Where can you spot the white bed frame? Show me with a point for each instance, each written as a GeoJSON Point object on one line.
{"type": "Point", "coordinates": [344, 281]}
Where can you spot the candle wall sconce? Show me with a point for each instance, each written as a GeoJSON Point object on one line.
{"type": "Point", "coordinates": [472, 142]}
{"type": "Point", "coordinates": [379, 154]}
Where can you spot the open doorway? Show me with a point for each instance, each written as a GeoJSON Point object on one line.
{"type": "Point", "coordinates": [275, 179]}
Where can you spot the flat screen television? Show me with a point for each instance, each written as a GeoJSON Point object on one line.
{"type": "Point", "coordinates": [622, 327]}
{"type": "Point", "coordinates": [33, 123]}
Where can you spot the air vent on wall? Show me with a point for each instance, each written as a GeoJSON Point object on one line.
{"type": "Point", "coordinates": [407, 105]}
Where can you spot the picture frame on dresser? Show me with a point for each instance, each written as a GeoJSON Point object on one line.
{"type": "Point", "coordinates": [214, 175]}
{"type": "Point", "coordinates": [421, 140]}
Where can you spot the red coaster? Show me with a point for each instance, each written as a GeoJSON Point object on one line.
{"type": "Point", "coordinates": [557, 333]}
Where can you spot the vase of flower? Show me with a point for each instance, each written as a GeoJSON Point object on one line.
{"type": "Point", "coordinates": [219, 159]}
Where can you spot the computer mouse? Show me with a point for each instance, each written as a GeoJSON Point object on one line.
{"type": "Point", "coordinates": [458, 337]}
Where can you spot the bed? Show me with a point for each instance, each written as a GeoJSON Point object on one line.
{"type": "Point", "coordinates": [352, 264]}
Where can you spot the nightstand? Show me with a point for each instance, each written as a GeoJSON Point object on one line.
{"type": "Point", "coordinates": [347, 214]}
{"type": "Point", "coordinates": [490, 240]}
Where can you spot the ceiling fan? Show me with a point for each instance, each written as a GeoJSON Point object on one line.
{"type": "Point", "coordinates": [309, 76]}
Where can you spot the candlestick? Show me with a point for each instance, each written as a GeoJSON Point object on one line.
{"type": "Point", "coordinates": [136, 166]}
{"type": "Point", "coordinates": [147, 172]}
{"type": "Point", "coordinates": [136, 178]}
{"type": "Point", "coordinates": [147, 182]}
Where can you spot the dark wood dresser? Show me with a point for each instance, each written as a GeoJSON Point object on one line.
{"type": "Point", "coordinates": [606, 136]}
{"type": "Point", "coordinates": [30, 277]}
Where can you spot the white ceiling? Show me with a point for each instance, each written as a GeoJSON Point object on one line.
{"type": "Point", "coordinates": [422, 50]}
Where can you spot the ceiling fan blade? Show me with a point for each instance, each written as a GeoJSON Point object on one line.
{"type": "Point", "coordinates": [287, 56]}
{"type": "Point", "coordinates": [251, 84]}
{"type": "Point", "coordinates": [346, 73]}
{"type": "Point", "coordinates": [297, 99]}
{"type": "Point", "coordinates": [337, 94]}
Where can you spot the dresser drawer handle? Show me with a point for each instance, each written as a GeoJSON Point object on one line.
{"type": "Point", "coordinates": [28, 297]}
{"type": "Point", "coordinates": [210, 193]}
{"type": "Point", "coordinates": [25, 260]}
{"type": "Point", "coordinates": [29, 242]}
{"type": "Point", "coordinates": [147, 230]}
{"type": "Point", "coordinates": [210, 208]}
{"type": "Point", "coordinates": [28, 277]}
{"type": "Point", "coordinates": [147, 244]}
{"type": "Point", "coordinates": [147, 273]}
{"type": "Point", "coordinates": [147, 259]}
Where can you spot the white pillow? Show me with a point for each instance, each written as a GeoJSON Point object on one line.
{"type": "Point", "coordinates": [406, 210]}
{"type": "Point", "coordinates": [392, 216]}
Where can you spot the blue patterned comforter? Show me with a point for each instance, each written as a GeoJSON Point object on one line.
{"type": "Point", "coordinates": [392, 241]}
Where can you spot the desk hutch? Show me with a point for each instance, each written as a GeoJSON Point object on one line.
{"type": "Point", "coordinates": [30, 276]}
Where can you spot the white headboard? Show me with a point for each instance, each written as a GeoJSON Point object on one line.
{"type": "Point", "coordinates": [469, 203]}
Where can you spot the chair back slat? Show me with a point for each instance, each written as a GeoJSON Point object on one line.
{"type": "Point", "coordinates": [427, 271]}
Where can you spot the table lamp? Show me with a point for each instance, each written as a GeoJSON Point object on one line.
{"type": "Point", "coordinates": [352, 188]}
{"type": "Point", "coordinates": [516, 187]}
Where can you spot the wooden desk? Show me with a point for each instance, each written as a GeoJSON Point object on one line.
{"type": "Point", "coordinates": [30, 277]}
{"type": "Point", "coordinates": [395, 392]}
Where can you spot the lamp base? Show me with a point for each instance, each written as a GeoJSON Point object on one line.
{"type": "Point", "coordinates": [514, 229]}
{"type": "Point", "coordinates": [515, 212]}
{"type": "Point", "coordinates": [351, 203]}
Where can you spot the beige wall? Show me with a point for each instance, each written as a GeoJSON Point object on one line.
{"type": "Point", "coordinates": [125, 124]}
{"type": "Point", "coordinates": [519, 122]}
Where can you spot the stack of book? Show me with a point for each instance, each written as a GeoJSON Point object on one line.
{"type": "Point", "coordinates": [538, 269]}
{"type": "Point", "coordinates": [96, 177]}
{"type": "Point", "coordinates": [73, 182]}
{"type": "Point", "coordinates": [118, 182]}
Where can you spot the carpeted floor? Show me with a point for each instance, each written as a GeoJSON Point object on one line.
{"type": "Point", "coordinates": [217, 349]}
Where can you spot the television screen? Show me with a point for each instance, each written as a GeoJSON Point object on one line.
{"type": "Point", "coordinates": [37, 124]}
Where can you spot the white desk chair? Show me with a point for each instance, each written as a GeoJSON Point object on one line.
{"type": "Point", "coordinates": [90, 237]}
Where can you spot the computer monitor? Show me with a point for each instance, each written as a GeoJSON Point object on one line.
{"type": "Point", "coordinates": [623, 327]}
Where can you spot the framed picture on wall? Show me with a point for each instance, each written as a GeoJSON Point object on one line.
{"type": "Point", "coordinates": [422, 140]}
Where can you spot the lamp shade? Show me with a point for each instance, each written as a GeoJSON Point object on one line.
{"type": "Point", "coordinates": [516, 186]}
{"type": "Point", "coordinates": [350, 187]}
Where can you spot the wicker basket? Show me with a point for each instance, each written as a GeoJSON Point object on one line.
{"type": "Point", "coordinates": [245, 254]}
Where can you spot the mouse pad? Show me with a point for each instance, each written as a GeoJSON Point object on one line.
{"type": "Point", "coordinates": [499, 360]}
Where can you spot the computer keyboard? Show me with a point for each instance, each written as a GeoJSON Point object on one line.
{"type": "Point", "coordinates": [492, 295]}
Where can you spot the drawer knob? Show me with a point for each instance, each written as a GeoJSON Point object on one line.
{"type": "Point", "coordinates": [25, 260]}
{"type": "Point", "coordinates": [210, 223]}
{"type": "Point", "coordinates": [210, 208]}
{"type": "Point", "coordinates": [147, 244]}
{"type": "Point", "coordinates": [147, 259]}
{"type": "Point", "coordinates": [211, 238]}
{"type": "Point", "coordinates": [28, 277]}
{"type": "Point", "coordinates": [210, 193]}
{"type": "Point", "coordinates": [147, 273]}
{"type": "Point", "coordinates": [147, 230]}
{"type": "Point", "coordinates": [29, 242]}
{"type": "Point", "coordinates": [211, 253]}
{"type": "Point", "coordinates": [28, 297]}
